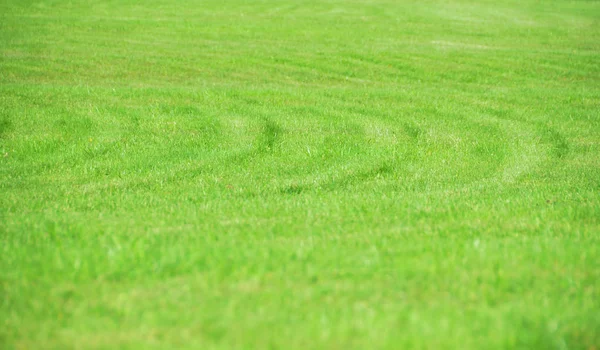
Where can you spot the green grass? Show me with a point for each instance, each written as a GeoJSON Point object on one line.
{"type": "Point", "coordinates": [300, 174]}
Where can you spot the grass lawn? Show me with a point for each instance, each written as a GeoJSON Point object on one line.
{"type": "Point", "coordinates": [300, 174]}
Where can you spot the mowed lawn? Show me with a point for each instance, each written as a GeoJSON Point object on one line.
{"type": "Point", "coordinates": [300, 174]}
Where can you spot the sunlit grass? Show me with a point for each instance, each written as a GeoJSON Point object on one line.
{"type": "Point", "coordinates": [330, 174]}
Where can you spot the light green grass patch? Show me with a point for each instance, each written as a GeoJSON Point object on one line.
{"type": "Point", "coordinates": [315, 174]}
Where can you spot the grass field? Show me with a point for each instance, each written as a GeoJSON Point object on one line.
{"type": "Point", "coordinates": [300, 174]}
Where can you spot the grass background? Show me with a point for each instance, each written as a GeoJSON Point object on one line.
{"type": "Point", "coordinates": [293, 174]}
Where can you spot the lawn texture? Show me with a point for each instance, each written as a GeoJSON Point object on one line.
{"type": "Point", "coordinates": [300, 174]}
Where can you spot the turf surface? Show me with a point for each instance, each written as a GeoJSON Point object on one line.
{"type": "Point", "coordinates": [300, 174]}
